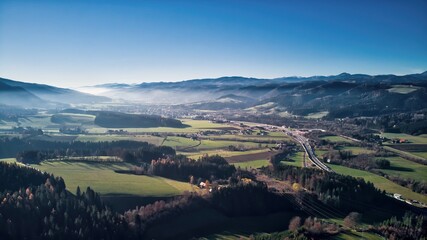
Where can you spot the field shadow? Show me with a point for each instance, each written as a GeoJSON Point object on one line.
{"type": "Point", "coordinates": [402, 169]}
{"type": "Point", "coordinates": [288, 160]}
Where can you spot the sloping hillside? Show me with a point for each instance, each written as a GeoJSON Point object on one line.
{"type": "Point", "coordinates": [40, 95]}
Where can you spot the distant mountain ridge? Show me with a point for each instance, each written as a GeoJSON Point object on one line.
{"type": "Point", "coordinates": [343, 95]}
{"type": "Point", "coordinates": [249, 80]}
{"type": "Point", "coordinates": [210, 89]}
{"type": "Point", "coordinates": [42, 96]}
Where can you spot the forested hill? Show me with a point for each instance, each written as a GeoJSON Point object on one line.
{"type": "Point", "coordinates": [343, 95]}
{"type": "Point", "coordinates": [34, 95]}
{"type": "Point", "coordinates": [125, 120]}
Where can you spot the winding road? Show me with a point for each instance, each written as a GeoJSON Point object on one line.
{"type": "Point", "coordinates": [308, 149]}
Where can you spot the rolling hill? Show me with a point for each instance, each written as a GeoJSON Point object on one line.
{"type": "Point", "coordinates": [343, 95]}
{"type": "Point", "coordinates": [42, 96]}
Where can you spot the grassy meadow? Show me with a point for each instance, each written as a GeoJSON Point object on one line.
{"type": "Point", "coordinates": [221, 152]}
{"type": "Point", "coordinates": [420, 139]}
{"type": "Point", "coordinates": [102, 178]}
{"type": "Point", "coordinates": [297, 160]}
{"type": "Point", "coordinates": [379, 182]}
{"type": "Point", "coordinates": [337, 139]}
{"type": "Point", "coordinates": [406, 169]}
{"type": "Point", "coordinates": [356, 150]}
{"type": "Point", "coordinates": [117, 137]}
{"type": "Point", "coordinates": [252, 164]}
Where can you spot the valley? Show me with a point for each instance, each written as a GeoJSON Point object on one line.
{"type": "Point", "coordinates": [135, 158]}
{"type": "Point", "coordinates": [243, 144]}
{"type": "Point", "coordinates": [203, 120]}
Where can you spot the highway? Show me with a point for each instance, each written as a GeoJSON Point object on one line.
{"type": "Point", "coordinates": [308, 150]}
{"type": "Point", "coordinates": [298, 136]}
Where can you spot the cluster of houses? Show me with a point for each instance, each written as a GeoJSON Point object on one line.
{"type": "Point", "coordinates": [210, 187]}
{"type": "Point", "coordinates": [25, 130]}
{"type": "Point", "coordinates": [72, 130]}
{"type": "Point", "coordinates": [119, 132]}
{"type": "Point", "coordinates": [399, 140]}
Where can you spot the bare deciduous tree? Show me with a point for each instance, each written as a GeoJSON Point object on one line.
{"type": "Point", "coordinates": [295, 223]}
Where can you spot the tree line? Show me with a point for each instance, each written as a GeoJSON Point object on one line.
{"type": "Point", "coordinates": [346, 193]}
{"type": "Point", "coordinates": [182, 168]}
{"type": "Point", "coordinates": [40, 207]}
{"type": "Point", "coordinates": [237, 200]}
{"type": "Point", "coordinates": [12, 146]}
{"type": "Point", "coordinates": [35, 151]}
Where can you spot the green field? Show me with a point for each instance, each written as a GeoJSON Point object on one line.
{"type": "Point", "coordinates": [252, 164]}
{"type": "Point", "coordinates": [102, 178]}
{"type": "Point", "coordinates": [223, 153]}
{"type": "Point", "coordinates": [180, 143]}
{"type": "Point", "coordinates": [403, 153]}
{"type": "Point", "coordinates": [410, 150]}
{"type": "Point", "coordinates": [88, 159]}
{"type": "Point", "coordinates": [115, 137]}
{"type": "Point", "coordinates": [203, 124]}
{"type": "Point", "coordinates": [194, 126]}
{"type": "Point", "coordinates": [73, 118]}
{"type": "Point", "coordinates": [320, 153]}
{"type": "Point", "coordinates": [337, 139]}
{"type": "Point", "coordinates": [41, 121]}
{"type": "Point", "coordinates": [209, 144]}
{"type": "Point", "coordinates": [353, 149]}
{"type": "Point", "coordinates": [421, 139]}
{"type": "Point", "coordinates": [272, 136]}
{"type": "Point", "coordinates": [420, 154]}
{"type": "Point", "coordinates": [357, 150]}
{"type": "Point", "coordinates": [406, 169]}
{"type": "Point", "coordinates": [298, 159]}
{"type": "Point", "coordinates": [146, 130]}
{"type": "Point", "coordinates": [379, 182]}
{"type": "Point", "coordinates": [245, 164]}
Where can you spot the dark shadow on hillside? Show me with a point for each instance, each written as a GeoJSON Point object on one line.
{"type": "Point", "coordinates": [123, 202]}
{"type": "Point", "coordinates": [402, 169]}
{"type": "Point", "coordinates": [288, 160]}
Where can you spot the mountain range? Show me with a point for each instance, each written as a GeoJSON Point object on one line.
{"type": "Point", "coordinates": [32, 95]}
{"type": "Point", "coordinates": [210, 89]}
{"type": "Point", "coordinates": [340, 95]}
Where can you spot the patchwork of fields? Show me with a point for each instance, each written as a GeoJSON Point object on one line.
{"type": "Point", "coordinates": [255, 151]}
{"type": "Point", "coordinates": [399, 166]}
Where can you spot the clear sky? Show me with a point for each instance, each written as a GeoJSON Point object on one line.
{"type": "Point", "coordinates": [79, 43]}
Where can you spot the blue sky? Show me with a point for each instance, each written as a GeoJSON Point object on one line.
{"type": "Point", "coordinates": [80, 43]}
